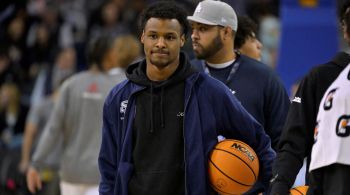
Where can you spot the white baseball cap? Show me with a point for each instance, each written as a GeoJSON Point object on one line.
{"type": "Point", "coordinates": [212, 12]}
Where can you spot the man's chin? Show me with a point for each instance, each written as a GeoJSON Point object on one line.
{"type": "Point", "coordinates": [199, 56]}
{"type": "Point", "coordinates": [159, 63]}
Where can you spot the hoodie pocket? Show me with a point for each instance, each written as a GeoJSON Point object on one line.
{"type": "Point", "coordinates": [125, 170]}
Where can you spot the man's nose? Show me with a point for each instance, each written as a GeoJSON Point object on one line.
{"type": "Point", "coordinates": [194, 34]}
{"type": "Point", "coordinates": [161, 42]}
{"type": "Point", "coordinates": [259, 44]}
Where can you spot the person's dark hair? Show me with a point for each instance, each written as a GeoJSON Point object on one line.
{"type": "Point", "coordinates": [342, 10]}
{"type": "Point", "coordinates": [97, 50]}
{"type": "Point", "coordinates": [346, 19]}
{"type": "Point", "coordinates": [165, 10]}
{"type": "Point", "coordinates": [246, 27]}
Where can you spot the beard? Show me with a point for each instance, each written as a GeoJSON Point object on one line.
{"type": "Point", "coordinates": [212, 49]}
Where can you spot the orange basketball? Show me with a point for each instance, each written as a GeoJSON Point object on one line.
{"type": "Point", "coordinates": [233, 167]}
{"type": "Point", "coordinates": [299, 190]}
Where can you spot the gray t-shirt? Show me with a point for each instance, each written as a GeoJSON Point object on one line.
{"type": "Point", "coordinates": [77, 116]}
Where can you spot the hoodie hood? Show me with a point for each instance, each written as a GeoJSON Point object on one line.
{"type": "Point", "coordinates": [137, 73]}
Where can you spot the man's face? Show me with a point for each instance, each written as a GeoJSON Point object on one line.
{"type": "Point", "coordinates": [162, 40]}
{"type": "Point", "coordinates": [206, 40]}
{"type": "Point", "coordinates": [252, 47]}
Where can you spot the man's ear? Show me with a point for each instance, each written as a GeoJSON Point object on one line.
{"type": "Point", "coordinates": [142, 38]}
{"type": "Point", "coordinates": [227, 32]}
{"type": "Point", "coordinates": [182, 40]}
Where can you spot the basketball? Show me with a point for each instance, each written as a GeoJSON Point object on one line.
{"type": "Point", "coordinates": [233, 167]}
{"type": "Point", "coordinates": [300, 190]}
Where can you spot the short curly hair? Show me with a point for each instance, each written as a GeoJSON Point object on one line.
{"type": "Point", "coordinates": [343, 10]}
{"type": "Point", "coordinates": [344, 15]}
{"type": "Point", "coordinates": [246, 27]}
{"type": "Point", "coordinates": [165, 10]}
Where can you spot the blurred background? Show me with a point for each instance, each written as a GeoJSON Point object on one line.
{"type": "Point", "coordinates": [43, 41]}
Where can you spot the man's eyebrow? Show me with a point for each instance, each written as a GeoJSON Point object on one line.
{"type": "Point", "coordinates": [166, 33]}
{"type": "Point", "coordinates": [171, 33]}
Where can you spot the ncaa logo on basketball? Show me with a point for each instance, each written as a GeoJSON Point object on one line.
{"type": "Point", "coordinates": [243, 150]}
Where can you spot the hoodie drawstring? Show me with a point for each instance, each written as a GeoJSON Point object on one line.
{"type": "Point", "coordinates": [161, 109]}
{"type": "Point", "coordinates": [152, 122]}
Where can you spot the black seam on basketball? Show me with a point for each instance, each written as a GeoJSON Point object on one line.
{"type": "Point", "coordinates": [239, 159]}
{"type": "Point", "coordinates": [298, 191]}
{"type": "Point", "coordinates": [227, 175]}
{"type": "Point", "coordinates": [217, 189]}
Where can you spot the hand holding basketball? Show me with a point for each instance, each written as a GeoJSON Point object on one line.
{"type": "Point", "coordinates": [233, 167]}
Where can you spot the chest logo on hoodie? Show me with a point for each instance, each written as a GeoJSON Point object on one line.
{"type": "Point", "coordinates": [180, 114]}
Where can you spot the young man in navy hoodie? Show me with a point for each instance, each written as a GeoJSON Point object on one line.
{"type": "Point", "coordinates": [160, 125]}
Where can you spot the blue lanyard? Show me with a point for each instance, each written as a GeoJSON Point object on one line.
{"type": "Point", "coordinates": [234, 68]}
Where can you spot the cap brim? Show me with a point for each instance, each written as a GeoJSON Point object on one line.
{"type": "Point", "coordinates": [200, 20]}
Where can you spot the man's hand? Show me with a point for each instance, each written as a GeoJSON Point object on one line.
{"type": "Point", "coordinates": [33, 180]}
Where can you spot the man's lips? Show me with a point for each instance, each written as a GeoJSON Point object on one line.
{"type": "Point", "coordinates": [160, 52]}
{"type": "Point", "coordinates": [196, 45]}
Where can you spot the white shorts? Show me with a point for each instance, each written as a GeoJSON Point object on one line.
{"type": "Point", "coordinates": [78, 189]}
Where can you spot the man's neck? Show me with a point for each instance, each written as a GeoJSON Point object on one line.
{"type": "Point", "coordinates": [155, 73]}
{"type": "Point", "coordinates": [222, 56]}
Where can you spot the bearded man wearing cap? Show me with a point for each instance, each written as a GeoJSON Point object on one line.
{"type": "Point", "coordinates": [214, 25]}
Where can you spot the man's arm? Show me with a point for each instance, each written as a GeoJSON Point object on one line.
{"type": "Point", "coordinates": [53, 130]}
{"type": "Point", "coordinates": [48, 140]}
{"type": "Point", "coordinates": [276, 109]}
{"type": "Point", "coordinates": [107, 159]}
{"type": "Point", "coordinates": [29, 135]}
{"type": "Point", "coordinates": [239, 124]}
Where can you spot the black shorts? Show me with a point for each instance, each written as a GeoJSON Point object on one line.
{"type": "Point", "coordinates": [330, 180]}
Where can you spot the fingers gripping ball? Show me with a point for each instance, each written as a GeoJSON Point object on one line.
{"type": "Point", "coordinates": [233, 167]}
{"type": "Point", "coordinates": [300, 190]}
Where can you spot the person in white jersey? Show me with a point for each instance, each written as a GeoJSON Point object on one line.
{"type": "Point", "coordinates": [330, 159]}
{"type": "Point", "coordinates": [330, 156]}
